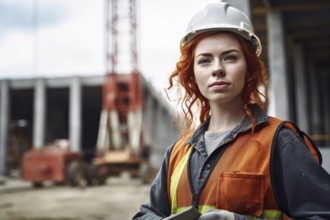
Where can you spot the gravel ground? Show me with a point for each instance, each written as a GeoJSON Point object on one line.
{"type": "Point", "coordinates": [119, 199]}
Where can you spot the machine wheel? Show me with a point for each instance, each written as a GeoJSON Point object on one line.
{"type": "Point", "coordinates": [94, 176]}
{"type": "Point", "coordinates": [37, 184]}
{"type": "Point", "coordinates": [75, 173]}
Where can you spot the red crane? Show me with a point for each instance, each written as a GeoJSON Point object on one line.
{"type": "Point", "coordinates": [120, 143]}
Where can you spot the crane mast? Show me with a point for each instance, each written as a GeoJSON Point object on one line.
{"type": "Point", "coordinates": [120, 127]}
{"type": "Point", "coordinates": [121, 36]}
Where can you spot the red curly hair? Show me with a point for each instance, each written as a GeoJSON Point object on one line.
{"type": "Point", "coordinates": [184, 76]}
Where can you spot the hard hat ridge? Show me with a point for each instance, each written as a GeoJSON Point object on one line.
{"type": "Point", "coordinates": [221, 16]}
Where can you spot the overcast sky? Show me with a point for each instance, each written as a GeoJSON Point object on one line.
{"type": "Point", "coordinates": [66, 37]}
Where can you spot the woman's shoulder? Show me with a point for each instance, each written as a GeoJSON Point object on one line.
{"type": "Point", "coordinates": [286, 134]}
{"type": "Point", "coordinates": [285, 130]}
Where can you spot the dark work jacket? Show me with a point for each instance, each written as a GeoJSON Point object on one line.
{"type": "Point", "coordinates": [302, 186]}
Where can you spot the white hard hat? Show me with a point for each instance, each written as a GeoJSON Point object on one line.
{"type": "Point", "coordinates": [223, 17]}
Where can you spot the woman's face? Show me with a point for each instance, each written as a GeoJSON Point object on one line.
{"type": "Point", "coordinates": [220, 68]}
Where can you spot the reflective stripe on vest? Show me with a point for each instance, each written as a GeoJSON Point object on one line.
{"type": "Point", "coordinates": [266, 214]}
{"type": "Point", "coordinates": [269, 215]}
{"type": "Point", "coordinates": [175, 180]}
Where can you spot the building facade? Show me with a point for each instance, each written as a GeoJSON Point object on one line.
{"type": "Point", "coordinates": [35, 112]}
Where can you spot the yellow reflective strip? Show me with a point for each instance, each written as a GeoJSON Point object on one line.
{"type": "Point", "coordinates": [268, 215]}
{"type": "Point", "coordinates": [175, 180]}
{"type": "Point", "coordinates": [203, 208]}
{"type": "Point", "coordinates": [272, 214]}
{"type": "Point", "coordinates": [179, 209]}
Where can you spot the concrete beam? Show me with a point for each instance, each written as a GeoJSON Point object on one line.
{"type": "Point", "coordinates": [22, 83]}
{"type": "Point", "coordinates": [57, 82]}
{"type": "Point", "coordinates": [294, 7]}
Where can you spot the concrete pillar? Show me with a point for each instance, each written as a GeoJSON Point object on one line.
{"type": "Point", "coordinates": [279, 95]}
{"type": "Point", "coordinates": [148, 122]}
{"type": "Point", "coordinates": [156, 122]}
{"type": "Point", "coordinates": [39, 114]}
{"type": "Point", "coordinates": [242, 5]}
{"type": "Point", "coordinates": [4, 115]}
{"type": "Point", "coordinates": [75, 124]}
{"type": "Point", "coordinates": [315, 101]}
{"type": "Point", "coordinates": [325, 82]}
{"type": "Point", "coordinates": [156, 156]}
{"type": "Point", "coordinates": [325, 155]}
{"type": "Point", "coordinates": [174, 132]}
{"type": "Point", "coordinates": [300, 86]}
{"type": "Point", "coordinates": [164, 134]}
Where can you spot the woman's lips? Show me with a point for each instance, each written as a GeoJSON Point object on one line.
{"type": "Point", "coordinates": [219, 85]}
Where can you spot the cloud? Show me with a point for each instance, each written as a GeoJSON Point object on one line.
{"type": "Point", "coordinates": [69, 40]}
{"type": "Point", "coordinates": [29, 14]}
{"type": "Point", "coordinates": [15, 60]}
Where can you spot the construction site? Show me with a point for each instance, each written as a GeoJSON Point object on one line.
{"type": "Point", "coordinates": [66, 138]}
{"type": "Point", "coordinates": [78, 127]}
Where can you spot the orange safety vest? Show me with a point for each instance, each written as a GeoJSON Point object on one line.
{"type": "Point", "coordinates": [240, 181]}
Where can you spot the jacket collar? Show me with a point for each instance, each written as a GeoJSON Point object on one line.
{"type": "Point", "coordinates": [245, 125]}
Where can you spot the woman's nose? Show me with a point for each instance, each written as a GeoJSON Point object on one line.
{"type": "Point", "coordinates": [218, 71]}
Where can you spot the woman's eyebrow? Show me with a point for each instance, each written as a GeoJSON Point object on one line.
{"type": "Point", "coordinates": [204, 54]}
{"type": "Point", "coordinates": [230, 51]}
{"type": "Point", "coordinates": [223, 53]}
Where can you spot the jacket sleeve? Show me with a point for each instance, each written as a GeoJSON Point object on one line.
{"type": "Point", "coordinates": [301, 185]}
{"type": "Point", "coordinates": [159, 206]}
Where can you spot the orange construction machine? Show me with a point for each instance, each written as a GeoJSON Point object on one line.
{"type": "Point", "coordinates": [120, 144]}
{"type": "Point", "coordinates": [55, 163]}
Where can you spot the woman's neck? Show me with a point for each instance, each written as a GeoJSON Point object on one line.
{"type": "Point", "coordinates": [224, 117]}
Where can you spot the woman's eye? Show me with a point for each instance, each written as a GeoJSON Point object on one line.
{"type": "Point", "coordinates": [203, 61]}
{"type": "Point", "coordinates": [230, 58]}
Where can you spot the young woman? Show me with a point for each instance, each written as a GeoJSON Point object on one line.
{"type": "Point", "coordinates": [239, 163]}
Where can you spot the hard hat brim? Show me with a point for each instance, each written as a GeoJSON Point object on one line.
{"type": "Point", "coordinates": [244, 33]}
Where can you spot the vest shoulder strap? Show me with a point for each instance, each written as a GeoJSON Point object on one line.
{"type": "Point", "coordinates": [308, 141]}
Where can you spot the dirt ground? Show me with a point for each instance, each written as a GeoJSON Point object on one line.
{"type": "Point", "coordinates": [119, 199]}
